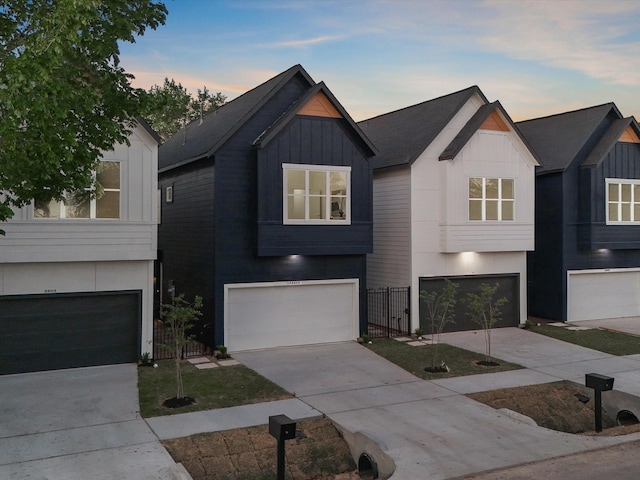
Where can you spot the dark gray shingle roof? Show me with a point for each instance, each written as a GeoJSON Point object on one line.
{"type": "Point", "coordinates": [607, 141]}
{"type": "Point", "coordinates": [474, 124]}
{"type": "Point", "coordinates": [558, 139]}
{"type": "Point", "coordinates": [277, 126]}
{"type": "Point", "coordinates": [401, 136]}
{"type": "Point", "coordinates": [202, 140]}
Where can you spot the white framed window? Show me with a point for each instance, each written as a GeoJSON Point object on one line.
{"type": "Point", "coordinates": [491, 199]}
{"type": "Point", "coordinates": [316, 194]}
{"type": "Point", "coordinates": [101, 201]}
{"type": "Point", "coordinates": [623, 200]}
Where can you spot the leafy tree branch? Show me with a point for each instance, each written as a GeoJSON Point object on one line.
{"type": "Point", "coordinates": [64, 98]}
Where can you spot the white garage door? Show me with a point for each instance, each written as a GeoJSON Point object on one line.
{"type": "Point", "coordinates": [595, 295]}
{"type": "Point", "coordinates": [264, 315]}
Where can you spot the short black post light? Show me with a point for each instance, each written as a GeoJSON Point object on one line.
{"type": "Point", "coordinates": [599, 383]}
{"type": "Point", "coordinates": [281, 428]}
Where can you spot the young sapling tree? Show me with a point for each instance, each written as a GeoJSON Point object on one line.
{"type": "Point", "coordinates": [440, 312]}
{"type": "Point", "coordinates": [180, 316]}
{"type": "Point", "coordinates": [485, 311]}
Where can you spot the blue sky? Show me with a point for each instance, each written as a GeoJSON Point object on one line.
{"type": "Point", "coordinates": [537, 57]}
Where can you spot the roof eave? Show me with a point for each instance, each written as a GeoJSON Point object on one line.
{"type": "Point", "coordinates": [182, 163]}
{"type": "Point", "coordinates": [297, 69]}
{"type": "Point", "coordinates": [277, 127]}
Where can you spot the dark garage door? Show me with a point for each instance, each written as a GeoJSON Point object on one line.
{"type": "Point", "coordinates": [50, 332]}
{"type": "Point", "coordinates": [508, 286]}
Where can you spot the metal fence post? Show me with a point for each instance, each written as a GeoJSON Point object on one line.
{"type": "Point", "coordinates": [388, 311]}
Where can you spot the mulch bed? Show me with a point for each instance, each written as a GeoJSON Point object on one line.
{"type": "Point", "coordinates": [250, 453]}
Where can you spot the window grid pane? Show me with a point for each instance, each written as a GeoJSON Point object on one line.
{"type": "Point", "coordinates": [101, 202]}
{"type": "Point", "coordinates": [322, 197]}
{"type": "Point", "coordinates": [623, 204]}
{"type": "Point", "coordinates": [491, 199]}
{"type": "Point", "coordinates": [475, 209]}
{"type": "Point", "coordinates": [491, 188]}
{"type": "Point", "coordinates": [507, 189]}
{"type": "Point", "coordinates": [507, 210]}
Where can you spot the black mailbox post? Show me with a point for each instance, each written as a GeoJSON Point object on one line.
{"type": "Point", "coordinates": [599, 383]}
{"type": "Point", "coordinates": [281, 428]}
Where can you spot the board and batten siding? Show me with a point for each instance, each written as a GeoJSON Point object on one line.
{"type": "Point", "coordinates": [390, 262]}
{"type": "Point", "coordinates": [622, 162]}
{"type": "Point", "coordinates": [313, 141]}
{"type": "Point", "coordinates": [131, 237]}
{"type": "Point", "coordinates": [488, 154]}
{"type": "Point", "coordinates": [439, 208]}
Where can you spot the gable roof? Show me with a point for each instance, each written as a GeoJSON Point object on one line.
{"type": "Point", "coordinates": [143, 123]}
{"type": "Point", "coordinates": [608, 140]}
{"type": "Point", "coordinates": [478, 119]}
{"type": "Point", "coordinates": [559, 138]}
{"type": "Point", "coordinates": [300, 105]}
{"type": "Point", "coordinates": [200, 140]}
{"type": "Point", "coordinates": [402, 135]}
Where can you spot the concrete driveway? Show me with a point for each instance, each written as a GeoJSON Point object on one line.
{"type": "Point", "coordinates": [79, 424]}
{"type": "Point", "coordinates": [429, 429]}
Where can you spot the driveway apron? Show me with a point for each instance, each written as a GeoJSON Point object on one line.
{"type": "Point", "coordinates": [79, 424]}
{"type": "Point", "coordinates": [428, 429]}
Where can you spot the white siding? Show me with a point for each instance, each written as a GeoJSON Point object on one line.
{"type": "Point", "coordinates": [131, 237]}
{"type": "Point", "coordinates": [488, 154]}
{"type": "Point", "coordinates": [51, 256]}
{"type": "Point", "coordinates": [442, 238]}
{"type": "Point", "coordinates": [390, 263]}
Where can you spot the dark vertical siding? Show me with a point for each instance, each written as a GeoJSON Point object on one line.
{"type": "Point", "coordinates": [198, 265]}
{"type": "Point", "coordinates": [314, 141]}
{"type": "Point", "coordinates": [186, 234]}
{"type": "Point", "coordinates": [623, 161]}
{"type": "Point", "coordinates": [545, 263]}
{"type": "Point", "coordinates": [244, 197]}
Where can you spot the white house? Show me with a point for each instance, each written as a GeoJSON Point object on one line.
{"type": "Point", "coordinates": [453, 198]}
{"type": "Point", "coordinates": [76, 279]}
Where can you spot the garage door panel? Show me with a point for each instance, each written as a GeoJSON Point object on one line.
{"type": "Point", "coordinates": [269, 316]}
{"type": "Point", "coordinates": [508, 287]}
{"type": "Point", "coordinates": [66, 331]}
{"type": "Point", "coordinates": [596, 295]}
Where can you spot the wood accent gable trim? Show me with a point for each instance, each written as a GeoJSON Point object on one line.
{"type": "Point", "coordinates": [319, 106]}
{"type": "Point", "coordinates": [494, 122]}
{"type": "Point", "coordinates": [629, 136]}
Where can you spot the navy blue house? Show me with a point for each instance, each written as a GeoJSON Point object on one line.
{"type": "Point", "coordinates": [586, 263]}
{"type": "Point", "coordinates": [266, 212]}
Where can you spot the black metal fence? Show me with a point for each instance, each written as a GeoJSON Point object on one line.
{"type": "Point", "coordinates": [163, 335]}
{"type": "Point", "coordinates": [388, 309]}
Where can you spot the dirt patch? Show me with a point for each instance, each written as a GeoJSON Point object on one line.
{"type": "Point", "coordinates": [556, 406]}
{"type": "Point", "coordinates": [318, 452]}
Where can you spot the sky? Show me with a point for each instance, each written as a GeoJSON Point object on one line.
{"type": "Point", "coordinates": [537, 58]}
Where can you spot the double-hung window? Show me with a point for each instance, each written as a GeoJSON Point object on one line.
{"type": "Point", "coordinates": [101, 201]}
{"type": "Point", "coordinates": [623, 200]}
{"type": "Point", "coordinates": [316, 194]}
{"type": "Point", "coordinates": [491, 199]}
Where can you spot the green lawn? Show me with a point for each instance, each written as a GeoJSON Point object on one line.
{"type": "Point", "coordinates": [212, 388]}
{"type": "Point", "coordinates": [415, 359]}
{"type": "Point", "coordinates": [607, 341]}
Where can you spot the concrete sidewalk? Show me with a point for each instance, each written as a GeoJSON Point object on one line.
{"type": "Point", "coordinates": [78, 424]}
{"type": "Point", "coordinates": [546, 360]}
{"type": "Point", "coordinates": [428, 429]}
